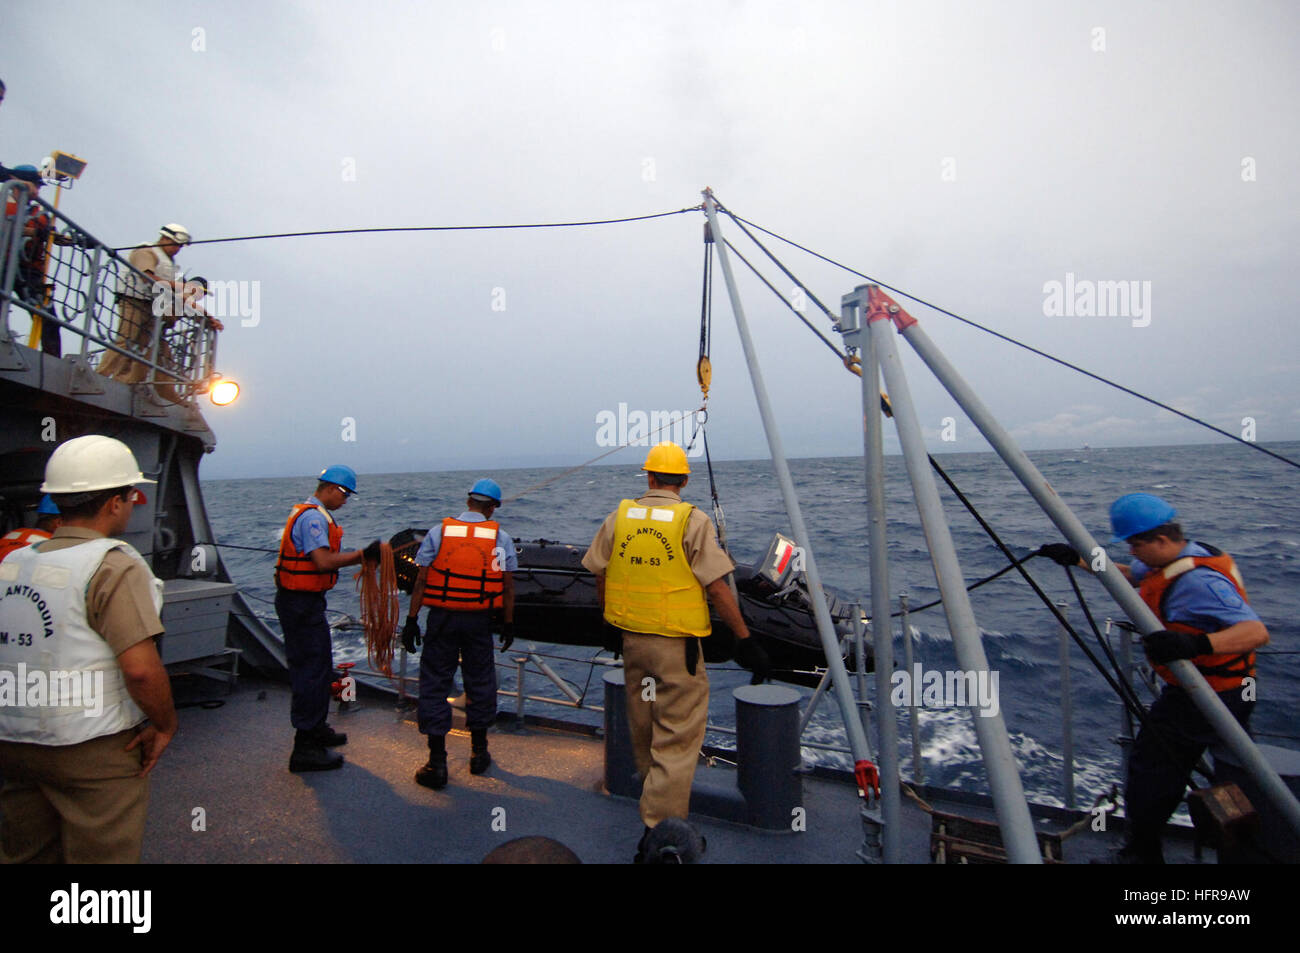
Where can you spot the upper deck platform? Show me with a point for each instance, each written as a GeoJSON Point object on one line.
{"type": "Point", "coordinates": [90, 333]}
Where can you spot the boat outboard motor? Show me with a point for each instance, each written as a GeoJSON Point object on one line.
{"type": "Point", "coordinates": [782, 569]}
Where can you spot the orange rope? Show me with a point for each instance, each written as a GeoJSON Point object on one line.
{"type": "Point", "coordinates": [379, 609]}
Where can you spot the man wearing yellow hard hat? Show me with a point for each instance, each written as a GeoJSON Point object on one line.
{"type": "Point", "coordinates": [655, 560]}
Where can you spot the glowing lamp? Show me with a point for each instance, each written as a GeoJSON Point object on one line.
{"type": "Point", "coordinates": [224, 392]}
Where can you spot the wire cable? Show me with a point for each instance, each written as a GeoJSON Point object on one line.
{"type": "Point", "coordinates": [424, 228]}
{"type": "Point", "coordinates": [1010, 340]}
{"type": "Point", "coordinates": [825, 340]}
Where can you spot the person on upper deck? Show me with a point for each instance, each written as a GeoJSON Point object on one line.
{"type": "Point", "coordinates": [1197, 593]}
{"type": "Point", "coordinates": [139, 296]}
{"type": "Point", "coordinates": [38, 231]}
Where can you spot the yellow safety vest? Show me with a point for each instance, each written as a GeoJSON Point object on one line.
{"type": "Point", "coordinates": [649, 586]}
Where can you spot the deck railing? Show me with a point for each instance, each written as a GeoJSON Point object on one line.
{"type": "Point", "coordinates": [83, 289]}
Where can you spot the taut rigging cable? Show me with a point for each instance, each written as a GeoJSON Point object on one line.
{"type": "Point", "coordinates": [1125, 695]}
{"type": "Point", "coordinates": [426, 228]}
{"type": "Point", "coordinates": [975, 324]}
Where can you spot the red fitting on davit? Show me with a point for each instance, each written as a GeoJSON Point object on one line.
{"type": "Point", "coordinates": [881, 307]}
{"type": "Point", "coordinates": [868, 779]}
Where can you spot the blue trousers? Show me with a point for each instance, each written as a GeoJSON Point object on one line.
{"type": "Point", "coordinates": [452, 638]}
{"type": "Point", "coordinates": [310, 655]}
{"type": "Point", "coordinates": [1161, 762]}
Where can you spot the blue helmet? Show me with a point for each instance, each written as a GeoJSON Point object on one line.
{"type": "Point", "coordinates": [28, 173]}
{"type": "Point", "coordinates": [47, 507]}
{"type": "Point", "coordinates": [1136, 513]}
{"type": "Point", "coordinates": [486, 490]}
{"type": "Point", "coordinates": [342, 476]}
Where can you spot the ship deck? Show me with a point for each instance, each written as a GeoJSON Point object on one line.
{"type": "Point", "coordinates": [231, 760]}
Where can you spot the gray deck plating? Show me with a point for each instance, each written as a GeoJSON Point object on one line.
{"type": "Point", "coordinates": [232, 762]}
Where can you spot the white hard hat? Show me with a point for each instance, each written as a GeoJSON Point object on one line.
{"type": "Point", "coordinates": [90, 463]}
{"type": "Point", "coordinates": [178, 233]}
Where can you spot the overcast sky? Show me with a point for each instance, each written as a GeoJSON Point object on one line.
{"type": "Point", "coordinates": [968, 153]}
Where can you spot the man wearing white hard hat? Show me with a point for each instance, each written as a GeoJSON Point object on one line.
{"type": "Point", "coordinates": [155, 273]}
{"type": "Point", "coordinates": [85, 703]}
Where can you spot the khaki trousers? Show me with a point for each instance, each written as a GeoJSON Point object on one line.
{"type": "Point", "coordinates": [667, 717]}
{"type": "Point", "coordinates": [135, 333]}
{"type": "Point", "coordinates": [76, 804]}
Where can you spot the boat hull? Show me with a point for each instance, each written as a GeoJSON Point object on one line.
{"type": "Point", "coordinates": [556, 601]}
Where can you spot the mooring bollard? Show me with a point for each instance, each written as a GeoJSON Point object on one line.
{"type": "Point", "coordinates": [767, 747]}
{"type": "Point", "coordinates": [620, 762]}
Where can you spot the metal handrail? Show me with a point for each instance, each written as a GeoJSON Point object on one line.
{"type": "Point", "coordinates": [82, 287]}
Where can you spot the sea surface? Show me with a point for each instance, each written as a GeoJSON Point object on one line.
{"type": "Point", "coordinates": [1231, 496]}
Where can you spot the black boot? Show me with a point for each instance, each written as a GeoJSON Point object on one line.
{"type": "Point", "coordinates": [479, 759]}
{"type": "Point", "coordinates": [326, 737]}
{"type": "Point", "coordinates": [434, 773]}
{"type": "Point", "coordinates": [311, 756]}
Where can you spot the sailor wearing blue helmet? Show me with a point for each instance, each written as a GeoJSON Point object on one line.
{"type": "Point", "coordinates": [47, 521]}
{"type": "Point", "coordinates": [465, 579]}
{"type": "Point", "coordinates": [308, 566]}
{"type": "Point", "coordinates": [1199, 596]}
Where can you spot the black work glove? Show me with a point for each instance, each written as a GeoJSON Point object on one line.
{"type": "Point", "coordinates": [411, 634]}
{"type": "Point", "coordinates": [1163, 646]}
{"type": "Point", "coordinates": [507, 635]}
{"type": "Point", "coordinates": [754, 657]}
{"type": "Point", "coordinates": [1060, 553]}
{"type": "Point", "coordinates": [371, 552]}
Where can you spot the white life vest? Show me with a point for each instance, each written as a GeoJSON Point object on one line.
{"type": "Point", "coordinates": [138, 286]}
{"type": "Point", "coordinates": [60, 683]}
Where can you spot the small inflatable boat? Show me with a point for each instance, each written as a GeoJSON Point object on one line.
{"type": "Point", "coordinates": [555, 601]}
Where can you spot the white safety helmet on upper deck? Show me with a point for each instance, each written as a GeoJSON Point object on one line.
{"type": "Point", "coordinates": [91, 463]}
{"type": "Point", "coordinates": [177, 233]}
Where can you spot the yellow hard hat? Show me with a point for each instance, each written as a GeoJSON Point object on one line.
{"type": "Point", "coordinates": [666, 457]}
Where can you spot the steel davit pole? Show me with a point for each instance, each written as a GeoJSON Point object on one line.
{"type": "Point", "coordinates": [991, 730]}
{"type": "Point", "coordinates": [852, 307]}
{"type": "Point", "coordinates": [825, 628]}
{"type": "Point", "coordinates": [1224, 724]}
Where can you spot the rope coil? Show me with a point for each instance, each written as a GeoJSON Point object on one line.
{"type": "Point", "coordinates": [379, 609]}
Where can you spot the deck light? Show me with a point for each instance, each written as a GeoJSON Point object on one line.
{"type": "Point", "coordinates": [224, 392]}
{"type": "Point", "coordinates": [66, 167]}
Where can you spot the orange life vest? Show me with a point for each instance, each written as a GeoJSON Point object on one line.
{"type": "Point", "coordinates": [466, 574]}
{"type": "Point", "coordinates": [20, 538]}
{"type": "Point", "coordinates": [295, 570]}
{"type": "Point", "coordinates": [1223, 670]}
